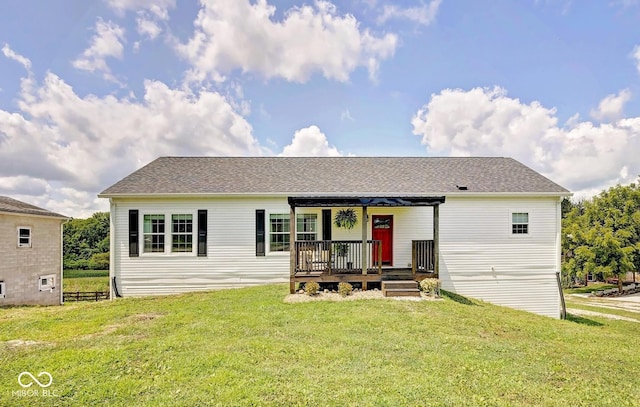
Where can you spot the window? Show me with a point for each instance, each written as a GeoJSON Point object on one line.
{"type": "Point", "coordinates": [2, 289]}
{"type": "Point", "coordinates": [47, 283]}
{"type": "Point", "coordinates": [24, 236]}
{"type": "Point", "coordinates": [181, 233]}
{"type": "Point", "coordinates": [519, 223]}
{"type": "Point", "coordinates": [307, 226]}
{"type": "Point", "coordinates": [153, 233]}
{"type": "Point", "coordinates": [279, 236]}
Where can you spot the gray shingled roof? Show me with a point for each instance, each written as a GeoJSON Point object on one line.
{"type": "Point", "coordinates": [333, 175]}
{"type": "Point", "coordinates": [14, 206]}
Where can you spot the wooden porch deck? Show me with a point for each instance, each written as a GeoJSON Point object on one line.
{"type": "Point", "coordinates": [340, 261]}
{"type": "Point", "coordinates": [321, 276]}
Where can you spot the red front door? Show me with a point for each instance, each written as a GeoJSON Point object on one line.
{"type": "Point", "coordinates": [383, 231]}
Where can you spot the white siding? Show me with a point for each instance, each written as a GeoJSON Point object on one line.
{"type": "Point", "coordinates": [231, 255]}
{"type": "Point", "coordinates": [481, 258]}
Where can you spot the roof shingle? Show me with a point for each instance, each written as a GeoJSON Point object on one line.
{"type": "Point", "coordinates": [332, 175]}
{"type": "Point", "coordinates": [14, 206]}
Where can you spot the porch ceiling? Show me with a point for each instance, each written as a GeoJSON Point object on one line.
{"type": "Point", "coordinates": [369, 201]}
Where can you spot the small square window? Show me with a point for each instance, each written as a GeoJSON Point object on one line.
{"type": "Point", "coordinates": [47, 283]}
{"type": "Point", "coordinates": [2, 289]}
{"type": "Point", "coordinates": [24, 236]}
{"type": "Point", "coordinates": [520, 223]}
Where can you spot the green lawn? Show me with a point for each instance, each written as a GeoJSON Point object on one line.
{"type": "Point", "coordinates": [247, 347]}
{"type": "Point", "coordinates": [589, 288]}
{"type": "Point", "coordinates": [85, 280]}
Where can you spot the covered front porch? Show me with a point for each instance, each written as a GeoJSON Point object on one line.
{"type": "Point", "coordinates": [365, 260]}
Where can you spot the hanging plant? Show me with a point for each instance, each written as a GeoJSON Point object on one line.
{"type": "Point", "coordinates": [345, 218]}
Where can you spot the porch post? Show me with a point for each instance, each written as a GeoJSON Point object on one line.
{"type": "Point", "coordinates": [292, 249]}
{"type": "Point", "coordinates": [364, 245]}
{"type": "Point", "coordinates": [436, 240]}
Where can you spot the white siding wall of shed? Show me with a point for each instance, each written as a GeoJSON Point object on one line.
{"type": "Point", "coordinates": [481, 258]}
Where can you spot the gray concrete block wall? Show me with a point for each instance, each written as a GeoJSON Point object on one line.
{"type": "Point", "coordinates": [22, 267]}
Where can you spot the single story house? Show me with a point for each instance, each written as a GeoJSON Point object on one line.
{"type": "Point", "coordinates": [488, 227]}
{"type": "Point", "coordinates": [31, 253]}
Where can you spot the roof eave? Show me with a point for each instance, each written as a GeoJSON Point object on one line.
{"type": "Point", "coordinates": [364, 194]}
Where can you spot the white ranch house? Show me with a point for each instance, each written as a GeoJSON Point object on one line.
{"type": "Point", "coordinates": [488, 227]}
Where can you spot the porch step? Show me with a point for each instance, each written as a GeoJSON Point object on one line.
{"type": "Point", "coordinates": [400, 288]}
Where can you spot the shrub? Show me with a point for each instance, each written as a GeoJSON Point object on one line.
{"type": "Point", "coordinates": [99, 261]}
{"type": "Point", "coordinates": [311, 288]}
{"type": "Point", "coordinates": [430, 286]}
{"type": "Point", "coordinates": [345, 289]}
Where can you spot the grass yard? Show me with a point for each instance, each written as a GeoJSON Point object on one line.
{"type": "Point", "coordinates": [85, 280]}
{"type": "Point", "coordinates": [247, 347]}
{"type": "Point", "coordinates": [589, 288]}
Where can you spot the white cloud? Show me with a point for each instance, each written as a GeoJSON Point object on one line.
{"type": "Point", "coordinates": [424, 14]}
{"type": "Point", "coordinates": [636, 56]}
{"type": "Point", "coordinates": [346, 115]}
{"type": "Point", "coordinates": [612, 106]}
{"type": "Point", "coordinates": [11, 54]}
{"type": "Point", "coordinates": [485, 122]}
{"type": "Point", "coordinates": [159, 8]}
{"type": "Point", "coordinates": [147, 27]}
{"type": "Point", "coordinates": [81, 145]}
{"type": "Point", "coordinates": [106, 43]}
{"type": "Point", "coordinates": [235, 35]}
{"type": "Point", "coordinates": [310, 142]}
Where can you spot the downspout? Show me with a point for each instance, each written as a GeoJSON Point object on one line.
{"type": "Point", "coordinates": [563, 310]}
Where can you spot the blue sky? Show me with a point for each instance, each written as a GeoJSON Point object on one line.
{"type": "Point", "coordinates": [92, 90]}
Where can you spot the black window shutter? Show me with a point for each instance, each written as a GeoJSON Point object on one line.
{"type": "Point", "coordinates": [260, 242]}
{"type": "Point", "coordinates": [326, 224]}
{"type": "Point", "coordinates": [134, 241]}
{"type": "Point", "coordinates": [202, 232]}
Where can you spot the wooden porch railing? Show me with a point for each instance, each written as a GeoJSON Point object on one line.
{"type": "Point", "coordinates": [337, 256]}
{"type": "Point", "coordinates": [422, 256]}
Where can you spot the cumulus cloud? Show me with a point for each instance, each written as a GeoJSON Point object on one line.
{"type": "Point", "coordinates": [487, 122]}
{"type": "Point", "coordinates": [424, 14]}
{"type": "Point", "coordinates": [612, 106]}
{"type": "Point", "coordinates": [240, 35]}
{"type": "Point", "coordinates": [68, 145]}
{"type": "Point", "coordinates": [159, 8]}
{"type": "Point", "coordinates": [636, 56]}
{"type": "Point", "coordinates": [11, 54]}
{"type": "Point", "coordinates": [147, 27]}
{"type": "Point", "coordinates": [107, 42]}
{"type": "Point", "coordinates": [310, 142]}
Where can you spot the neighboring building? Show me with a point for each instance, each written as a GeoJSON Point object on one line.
{"type": "Point", "coordinates": [30, 253]}
{"type": "Point", "coordinates": [488, 227]}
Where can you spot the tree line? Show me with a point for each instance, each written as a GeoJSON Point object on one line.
{"type": "Point", "coordinates": [86, 243]}
{"type": "Point", "coordinates": [601, 236]}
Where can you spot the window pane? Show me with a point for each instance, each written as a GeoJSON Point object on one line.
{"type": "Point", "coordinates": [520, 217]}
{"type": "Point", "coordinates": [25, 233]}
{"type": "Point", "coordinates": [308, 223]}
{"type": "Point", "coordinates": [182, 233]}
{"type": "Point", "coordinates": [153, 227]}
{"type": "Point", "coordinates": [279, 232]}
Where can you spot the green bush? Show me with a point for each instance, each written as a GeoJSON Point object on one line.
{"type": "Point", "coordinates": [345, 289]}
{"type": "Point", "coordinates": [99, 261]}
{"type": "Point", "coordinates": [430, 286]}
{"type": "Point", "coordinates": [311, 288]}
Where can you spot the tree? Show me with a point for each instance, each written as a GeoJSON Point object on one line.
{"type": "Point", "coordinates": [84, 239]}
{"type": "Point", "coordinates": [603, 236]}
